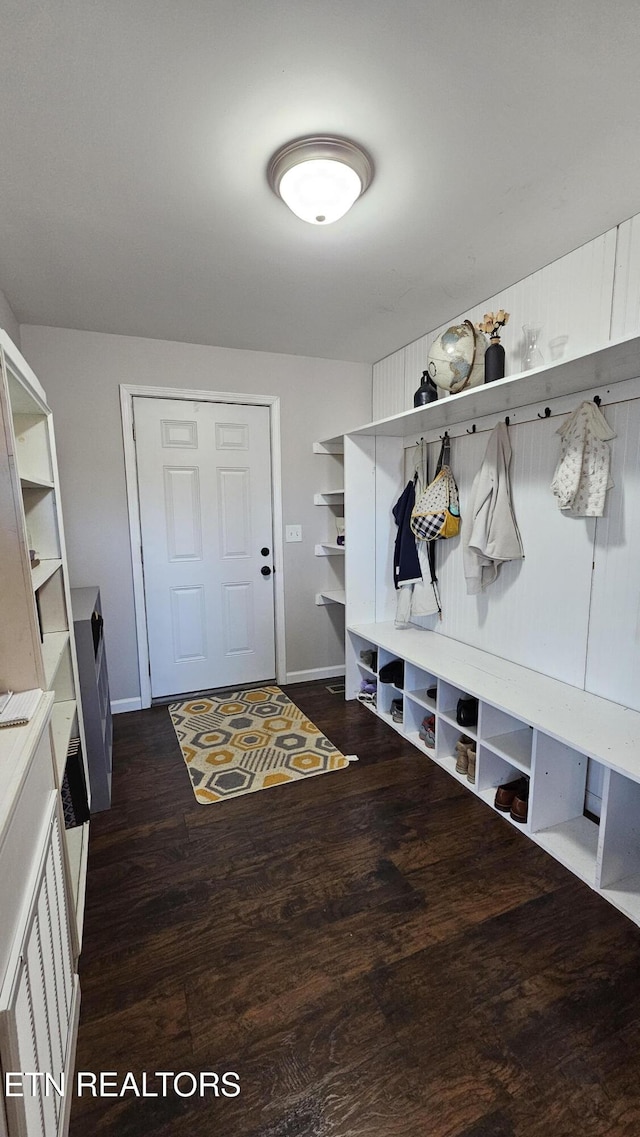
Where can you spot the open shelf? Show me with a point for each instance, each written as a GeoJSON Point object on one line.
{"type": "Point", "coordinates": [330, 445]}
{"type": "Point", "coordinates": [53, 646]}
{"type": "Point", "coordinates": [329, 497]}
{"type": "Point", "coordinates": [329, 549]}
{"type": "Point", "coordinates": [614, 363]}
{"type": "Point", "coordinates": [515, 746]}
{"type": "Point", "coordinates": [574, 843]}
{"type": "Point", "coordinates": [36, 483]}
{"type": "Point", "coordinates": [332, 596]}
{"type": "Point", "coordinates": [41, 573]}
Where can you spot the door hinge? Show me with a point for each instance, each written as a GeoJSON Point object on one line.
{"type": "Point", "coordinates": [141, 555]}
{"type": "Point", "coordinates": [133, 430]}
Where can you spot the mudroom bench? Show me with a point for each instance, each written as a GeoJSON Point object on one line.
{"type": "Point", "coordinates": [562, 738]}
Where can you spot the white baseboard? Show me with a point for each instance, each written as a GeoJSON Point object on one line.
{"type": "Point", "coordinates": [121, 706]}
{"type": "Point", "coordinates": [315, 673]}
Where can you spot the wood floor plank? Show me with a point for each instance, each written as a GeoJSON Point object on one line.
{"type": "Point", "coordinates": [373, 950]}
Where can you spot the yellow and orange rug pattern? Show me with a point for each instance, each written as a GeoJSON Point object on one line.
{"type": "Point", "coordinates": [244, 741]}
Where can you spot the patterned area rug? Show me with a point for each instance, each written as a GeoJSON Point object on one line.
{"type": "Point", "coordinates": [249, 740]}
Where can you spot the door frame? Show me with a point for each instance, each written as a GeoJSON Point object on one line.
{"type": "Point", "coordinates": [131, 391]}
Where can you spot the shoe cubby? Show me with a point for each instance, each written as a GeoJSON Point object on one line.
{"type": "Point", "coordinates": [416, 684]}
{"type": "Point", "coordinates": [493, 770]}
{"type": "Point", "coordinates": [387, 692]}
{"type": "Point", "coordinates": [414, 713]}
{"type": "Point", "coordinates": [578, 751]}
{"type": "Point", "coordinates": [556, 806]}
{"type": "Point", "coordinates": [362, 670]}
{"type": "Point", "coordinates": [507, 737]}
{"type": "Point", "coordinates": [448, 696]}
{"type": "Point", "coordinates": [447, 734]}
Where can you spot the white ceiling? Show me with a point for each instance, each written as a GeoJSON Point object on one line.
{"type": "Point", "coordinates": [134, 137]}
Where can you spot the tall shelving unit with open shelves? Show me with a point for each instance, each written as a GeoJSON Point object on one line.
{"type": "Point", "coordinates": [330, 500]}
{"type": "Point", "coordinates": [528, 724]}
{"type": "Point", "coordinates": [44, 861]}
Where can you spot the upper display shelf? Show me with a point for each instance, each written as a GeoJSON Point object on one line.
{"type": "Point", "coordinates": [614, 363]}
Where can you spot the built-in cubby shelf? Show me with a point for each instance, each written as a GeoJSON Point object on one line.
{"type": "Point", "coordinates": [40, 573]}
{"type": "Point", "coordinates": [528, 724]}
{"type": "Point", "coordinates": [331, 596]}
{"type": "Point", "coordinates": [329, 549]}
{"type": "Point", "coordinates": [329, 497]}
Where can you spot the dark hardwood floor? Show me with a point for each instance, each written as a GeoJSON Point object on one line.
{"type": "Point", "coordinates": [374, 952]}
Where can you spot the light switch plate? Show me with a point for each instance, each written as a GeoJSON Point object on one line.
{"type": "Point", "coordinates": [293, 533]}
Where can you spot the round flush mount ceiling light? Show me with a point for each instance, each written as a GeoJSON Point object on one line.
{"type": "Point", "coordinates": [319, 178]}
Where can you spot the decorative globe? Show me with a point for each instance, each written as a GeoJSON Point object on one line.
{"type": "Point", "coordinates": [456, 359]}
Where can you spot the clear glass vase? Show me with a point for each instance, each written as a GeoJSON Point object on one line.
{"type": "Point", "coordinates": [531, 354]}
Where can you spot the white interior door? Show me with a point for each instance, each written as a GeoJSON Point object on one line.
{"type": "Point", "coordinates": [204, 486]}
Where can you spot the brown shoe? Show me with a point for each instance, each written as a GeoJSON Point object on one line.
{"type": "Point", "coordinates": [507, 792]}
{"type": "Point", "coordinates": [471, 771]}
{"type": "Point", "coordinates": [520, 804]}
{"type": "Point", "coordinates": [462, 758]}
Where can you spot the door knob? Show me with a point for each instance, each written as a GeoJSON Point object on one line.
{"type": "Point", "coordinates": [264, 550]}
{"type": "Point", "coordinates": [265, 570]}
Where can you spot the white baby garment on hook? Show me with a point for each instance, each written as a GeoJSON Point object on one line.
{"type": "Point", "coordinates": [582, 476]}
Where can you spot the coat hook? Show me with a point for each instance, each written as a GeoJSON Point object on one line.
{"type": "Point", "coordinates": [597, 400]}
{"type": "Point", "coordinates": [507, 420]}
{"type": "Point", "coordinates": [547, 412]}
{"type": "Point", "coordinates": [473, 429]}
{"type": "Point", "coordinates": [445, 437]}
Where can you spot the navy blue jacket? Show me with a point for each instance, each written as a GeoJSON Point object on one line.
{"type": "Point", "coordinates": [406, 566]}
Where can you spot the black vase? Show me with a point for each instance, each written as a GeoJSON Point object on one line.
{"type": "Point", "coordinates": [427, 391]}
{"type": "Point", "coordinates": [494, 362]}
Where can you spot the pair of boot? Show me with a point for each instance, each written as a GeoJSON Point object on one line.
{"type": "Point", "coordinates": [466, 757]}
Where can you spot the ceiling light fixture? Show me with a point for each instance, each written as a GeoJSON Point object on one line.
{"type": "Point", "coordinates": [319, 178]}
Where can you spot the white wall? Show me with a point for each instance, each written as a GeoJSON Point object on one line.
{"type": "Point", "coordinates": [571, 300]}
{"type": "Point", "coordinates": [81, 373]}
{"type": "Point", "coordinates": [8, 320]}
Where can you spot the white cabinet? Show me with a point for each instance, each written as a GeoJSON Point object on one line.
{"type": "Point", "coordinates": [39, 998]}
{"type": "Point", "coordinates": [42, 863]}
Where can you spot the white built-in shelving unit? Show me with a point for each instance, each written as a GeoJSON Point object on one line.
{"type": "Point", "coordinates": [333, 499]}
{"type": "Point", "coordinates": [528, 723]}
{"type": "Point", "coordinates": [42, 863]}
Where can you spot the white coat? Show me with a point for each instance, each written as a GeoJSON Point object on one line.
{"type": "Point", "coordinates": [489, 532]}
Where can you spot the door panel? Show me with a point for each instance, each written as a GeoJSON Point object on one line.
{"type": "Point", "coordinates": [204, 485]}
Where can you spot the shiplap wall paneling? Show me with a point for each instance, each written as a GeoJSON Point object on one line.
{"type": "Point", "coordinates": [388, 385]}
{"type": "Point", "coordinates": [613, 656]}
{"type": "Point", "coordinates": [536, 612]}
{"type": "Point", "coordinates": [415, 362]}
{"type": "Point", "coordinates": [570, 300]}
{"type": "Point", "coordinates": [625, 315]}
